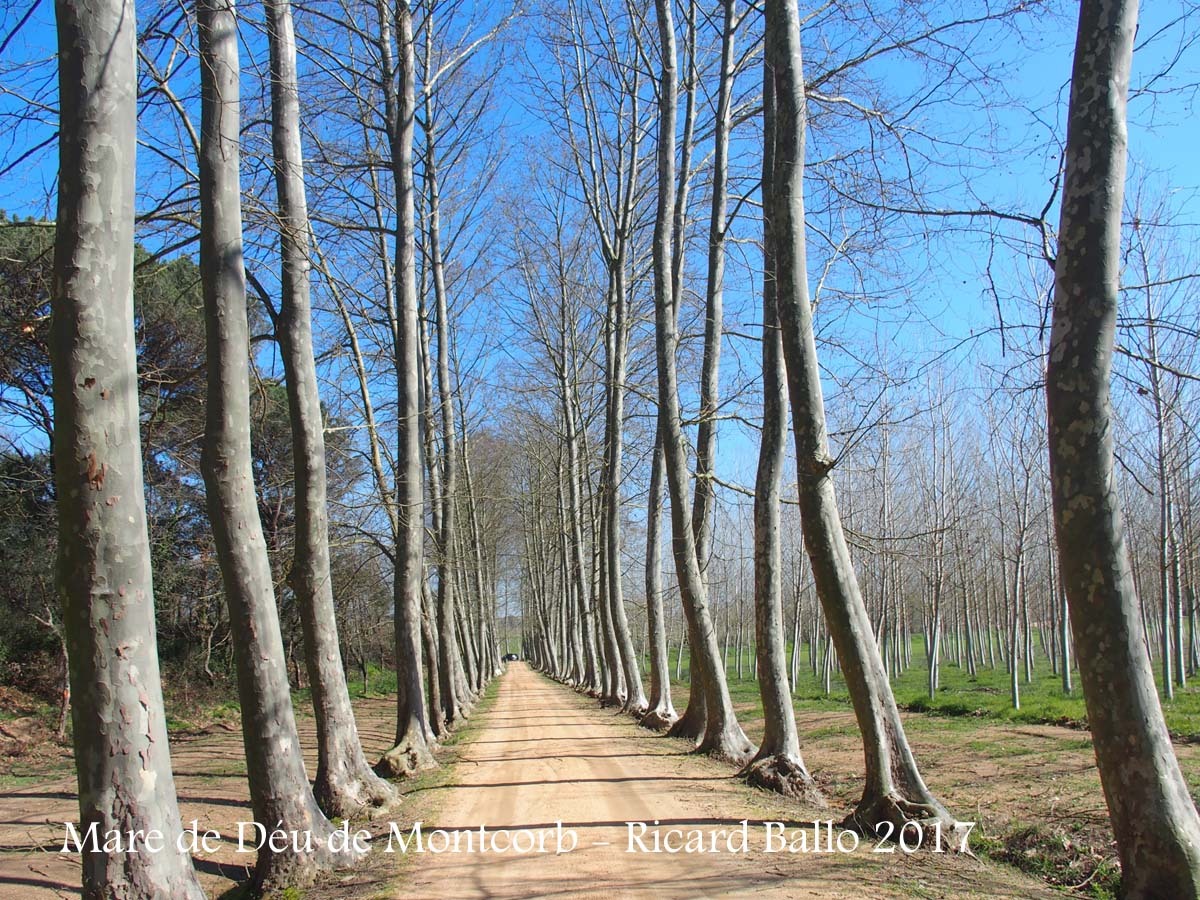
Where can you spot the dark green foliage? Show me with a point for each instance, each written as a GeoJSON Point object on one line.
{"type": "Point", "coordinates": [169, 323]}
{"type": "Point", "coordinates": [29, 649]}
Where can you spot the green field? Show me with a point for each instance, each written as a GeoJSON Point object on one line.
{"type": "Point", "coordinates": [985, 694]}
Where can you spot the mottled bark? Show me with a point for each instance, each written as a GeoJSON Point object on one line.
{"type": "Point", "coordinates": [634, 698]}
{"type": "Point", "coordinates": [894, 789]}
{"type": "Point", "coordinates": [447, 534]}
{"type": "Point", "coordinates": [778, 765]}
{"type": "Point", "coordinates": [1153, 817]}
{"type": "Point", "coordinates": [435, 712]}
{"type": "Point", "coordinates": [119, 736]}
{"type": "Point", "coordinates": [411, 750]}
{"type": "Point", "coordinates": [429, 651]}
{"type": "Point", "coordinates": [723, 736]}
{"type": "Point", "coordinates": [345, 784]}
{"type": "Point", "coordinates": [279, 790]}
{"type": "Point", "coordinates": [704, 497]}
{"type": "Point", "coordinates": [661, 712]}
{"type": "Point", "coordinates": [690, 726]}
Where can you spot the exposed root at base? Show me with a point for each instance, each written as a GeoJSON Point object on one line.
{"type": "Point", "coordinates": [365, 795]}
{"type": "Point", "coordinates": [730, 748]}
{"type": "Point", "coordinates": [404, 760]}
{"type": "Point", "coordinates": [276, 873]}
{"type": "Point", "coordinates": [786, 775]}
{"type": "Point", "coordinates": [659, 719]}
{"type": "Point", "coordinates": [873, 815]}
{"type": "Point", "coordinates": [689, 729]}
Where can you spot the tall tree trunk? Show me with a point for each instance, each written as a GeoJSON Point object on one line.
{"type": "Point", "coordinates": [635, 696]}
{"type": "Point", "coordinates": [448, 535]}
{"type": "Point", "coordinates": [430, 655]}
{"type": "Point", "coordinates": [894, 791]}
{"type": "Point", "coordinates": [1153, 817]}
{"type": "Point", "coordinates": [487, 662]}
{"type": "Point", "coordinates": [723, 736]}
{"type": "Point", "coordinates": [690, 725]}
{"type": "Point", "coordinates": [345, 784]}
{"type": "Point", "coordinates": [778, 765]}
{"type": "Point", "coordinates": [279, 792]}
{"type": "Point", "coordinates": [411, 750]}
{"type": "Point", "coordinates": [661, 714]}
{"type": "Point", "coordinates": [120, 734]}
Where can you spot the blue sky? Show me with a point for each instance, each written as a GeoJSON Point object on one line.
{"type": "Point", "coordinates": [1002, 140]}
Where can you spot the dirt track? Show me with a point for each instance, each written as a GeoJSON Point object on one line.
{"type": "Point", "coordinates": [542, 754]}
{"type": "Point", "coordinates": [545, 754]}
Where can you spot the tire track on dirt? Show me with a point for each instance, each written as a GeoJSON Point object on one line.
{"type": "Point", "coordinates": [545, 755]}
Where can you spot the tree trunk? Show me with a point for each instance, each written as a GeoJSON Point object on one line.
{"type": "Point", "coordinates": [634, 700]}
{"type": "Point", "coordinates": [894, 791]}
{"type": "Point", "coordinates": [345, 784]}
{"type": "Point", "coordinates": [411, 750]}
{"type": "Point", "coordinates": [447, 536]}
{"type": "Point", "coordinates": [723, 736]}
{"type": "Point", "coordinates": [778, 765]}
{"type": "Point", "coordinates": [661, 714]}
{"type": "Point", "coordinates": [430, 655]}
{"type": "Point", "coordinates": [120, 734]}
{"type": "Point", "coordinates": [1153, 817]}
{"type": "Point", "coordinates": [279, 790]}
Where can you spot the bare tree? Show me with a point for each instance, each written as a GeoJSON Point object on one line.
{"type": "Point", "coordinates": [411, 751]}
{"type": "Point", "coordinates": [345, 784]}
{"type": "Point", "coordinates": [1153, 817]}
{"type": "Point", "coordinates": [279, 792]}
{"type": "Point", "coordinates": [723, 736]}
{"type": "Point", "coordinates": [894, 790]}
{"type": "Point", "coordinates": [120, 732]}
{"type": "Point", "coordinates": [778, 765]}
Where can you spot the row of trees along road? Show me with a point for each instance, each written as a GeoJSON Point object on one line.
{"type": "Point", "coordinates": [104, 554]}
{"type": "Point", "coordinates": [411, 404]}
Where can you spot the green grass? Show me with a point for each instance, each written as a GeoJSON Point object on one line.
{"type": "Point", "coordinates": [380, 683]}
{"type": "Point", "coordinates": [1051, 853]}
{"type": "Point", "coordinates": [985, 694]}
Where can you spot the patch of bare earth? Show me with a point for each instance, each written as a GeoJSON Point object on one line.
{"type": "Point", "coordinates": [210, 779]}
{"type": "Point", "coordinates": [545, 755]}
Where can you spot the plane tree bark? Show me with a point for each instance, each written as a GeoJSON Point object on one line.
{"type": "Point", "coordinates": [279, 792]}
{"type": "Point", "coordinates": [411, 751]}
{"type": "Point", "coordinates": [450, 678]}
{"type": "Point", "coordinates": [894, 790]}
{"type": "Point", "coordinates": [345, 784]}
{"type": "Point", "coordinates": [1154, 820]}
{"type": "Point", "coordinates": [723, 736]}
{"type": "Point", "coordinates": [119, 734]}
{"type": "Point", "coordinates": [778, 765]}
{"type": "Point", "coordinates": [661, 712]}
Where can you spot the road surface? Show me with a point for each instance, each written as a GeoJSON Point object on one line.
{"type": "Point", "coordinates": [546, 755]}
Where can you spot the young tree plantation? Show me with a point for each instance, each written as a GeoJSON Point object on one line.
{"type": "Point", "coordinates": [676, 449]}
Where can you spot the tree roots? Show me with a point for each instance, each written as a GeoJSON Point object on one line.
{"type": "Point", "coordinates": [658, 719]}
{"type": "Point", "coordinates": [729, 744]}
{"type": "Point", "coordinates": [784, 774]}
{"type": "Point", "coordinates": [875, 812]}
{"type": "Point", "coordinates": [353, 795]}
{"type": "Point", "coordinates": [404, 759]}
{"type": "Point", "coordinates": [689, 726]}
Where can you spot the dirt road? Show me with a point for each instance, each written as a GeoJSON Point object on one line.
{"type": "Point", "coordinates": [540, 755]}
{"type": "Point", "coordinates": [547, 755]}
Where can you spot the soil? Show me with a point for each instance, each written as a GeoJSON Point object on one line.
{"type": "Point", "coordinates": [210, 779]}
{"type": "Point", "coordinates": [546, 755]}
{"type": "Point", "coordinates": [542, 754]}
